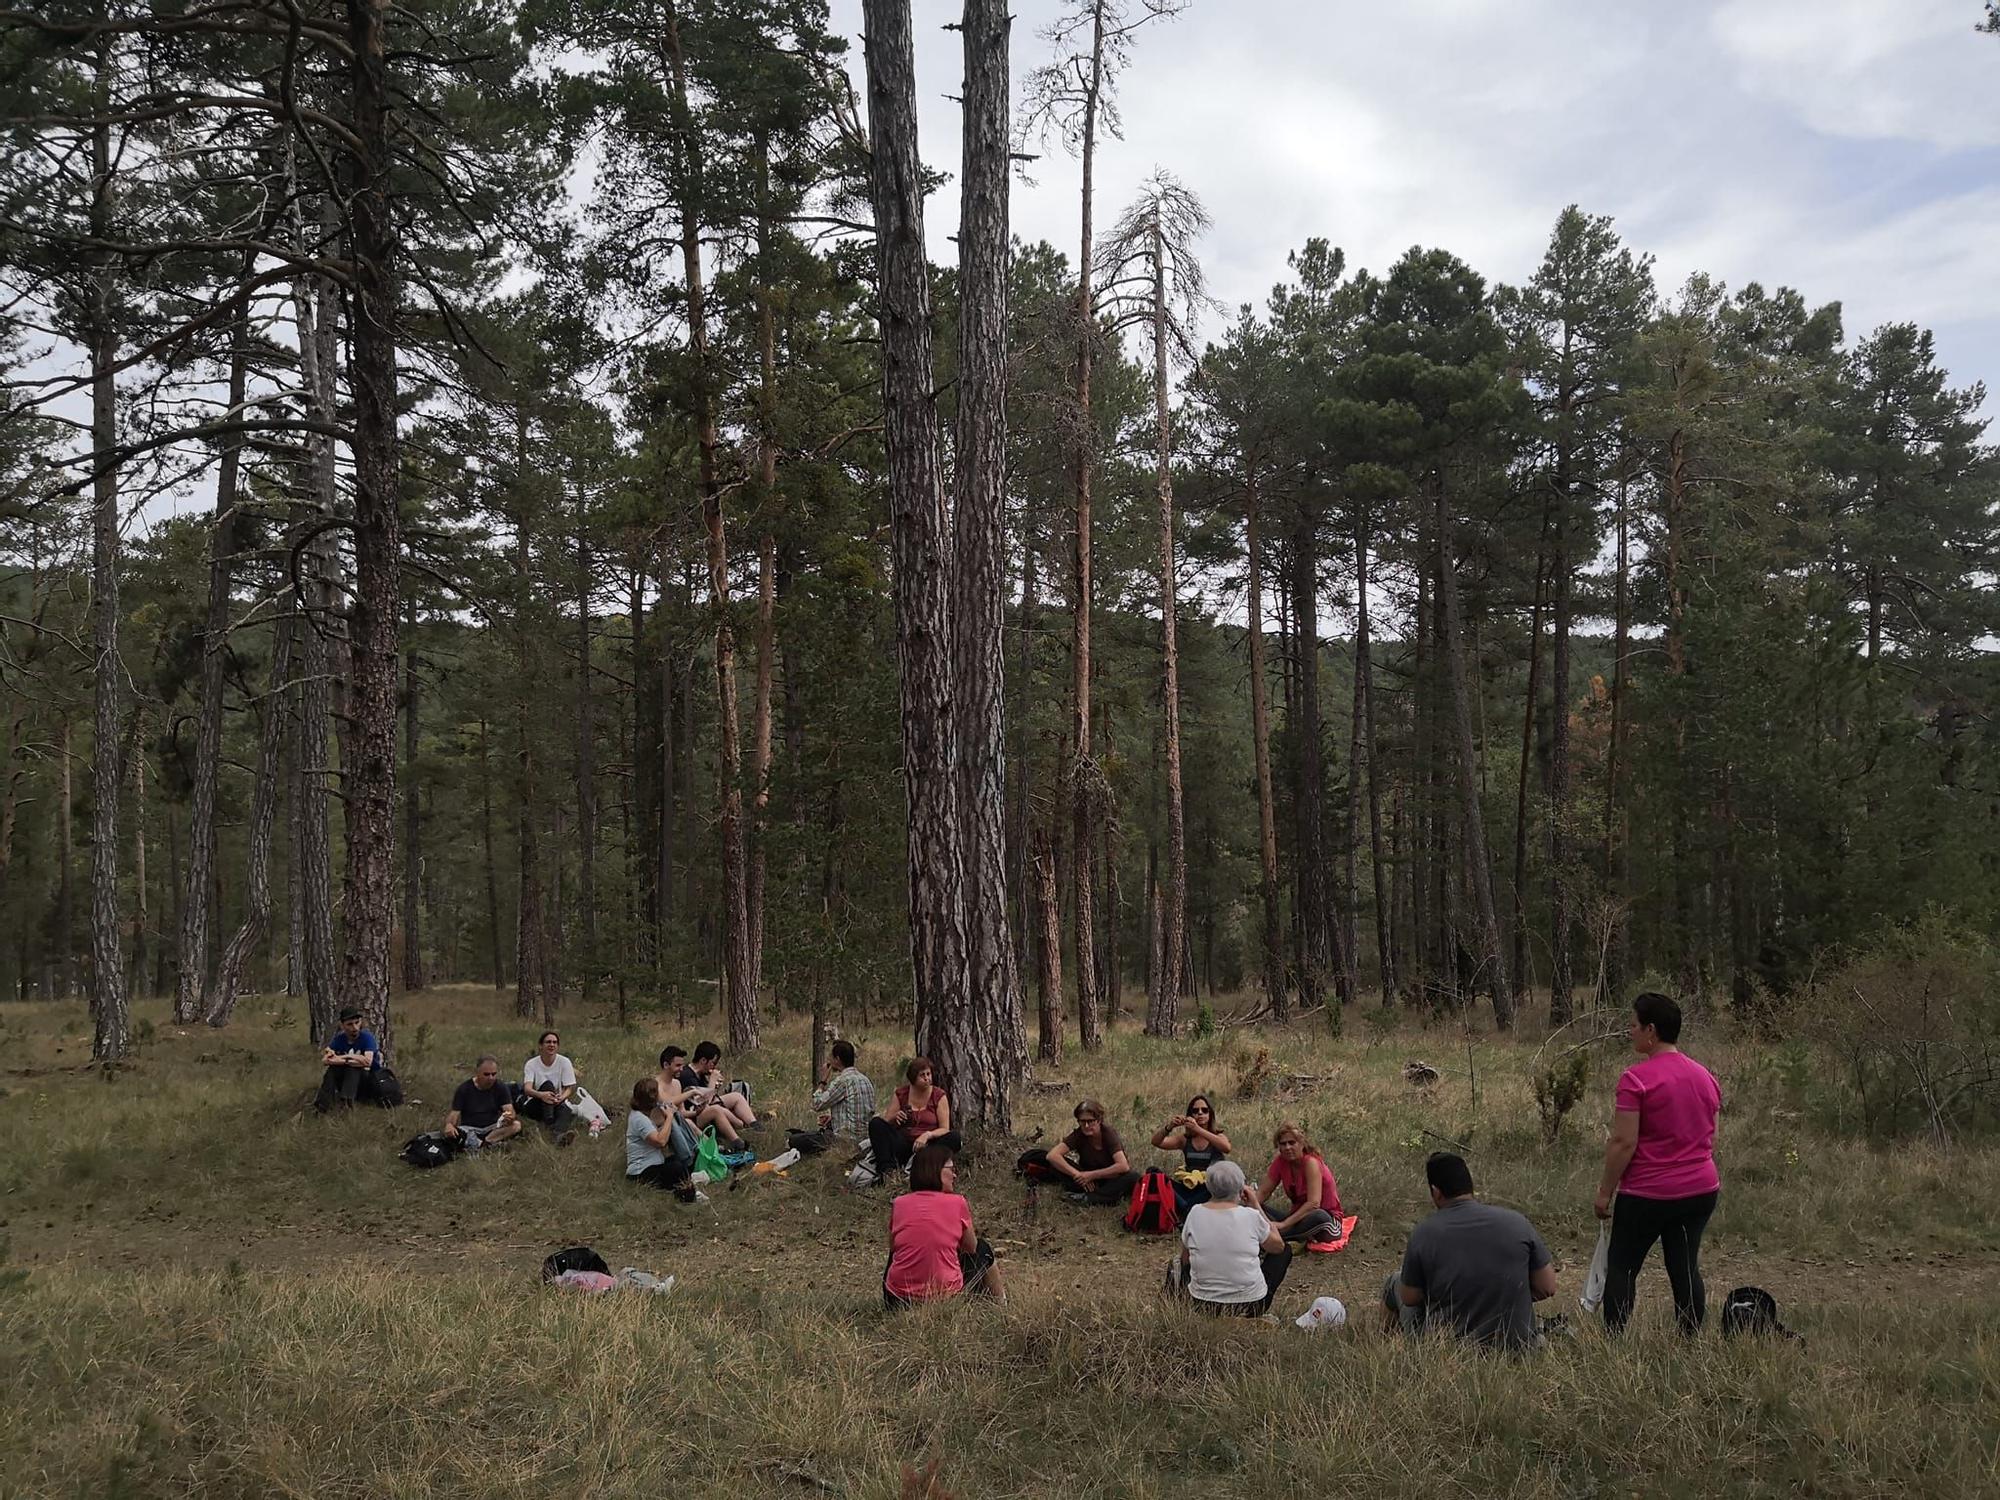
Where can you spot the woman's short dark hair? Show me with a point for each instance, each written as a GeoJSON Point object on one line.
{"type": "Point", "coordinates": [1659, 1012]}
{"type": "Point", "coordinates": [927, 1167]}
{"type": "Point", "coordinates": [919, 1065]}
{"type": "Point", "coordinates": [843, 1053]}
{"type": "Point", "coordinates": [646, 1095]}
{"type": "Point", "coordinates": [548, 1036]}
{"type": "Point", "coordinates": [1087, 1107]}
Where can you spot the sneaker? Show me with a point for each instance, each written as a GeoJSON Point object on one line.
{"type": "Point", "coordinates": [1076, 1196]}
{"type": "Point", "coordinates": [699, 1179]}
{"type": "Point", "coordinates": [567, 1138]}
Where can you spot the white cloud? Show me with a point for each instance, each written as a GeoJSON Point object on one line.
{"type": "Point", "coordinates": [1841, 146]}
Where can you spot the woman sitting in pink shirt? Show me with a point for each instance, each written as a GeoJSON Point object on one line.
{"type": "Point", "coordinates": [933, 1252]}
{"type": "Point", "coordinates": [1659, 1180]}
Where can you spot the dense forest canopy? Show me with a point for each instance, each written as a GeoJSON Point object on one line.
{"type": "Point", "coordinates": [499, 493]}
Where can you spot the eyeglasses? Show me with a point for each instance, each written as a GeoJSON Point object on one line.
{"type": "Point", "coordinates": [1088, 1119]}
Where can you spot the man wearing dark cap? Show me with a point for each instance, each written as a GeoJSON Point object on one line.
{"type": "Point", "coordinates": [351, 1058]}
{"type": "Point", "coordinates": [1473, 1268]}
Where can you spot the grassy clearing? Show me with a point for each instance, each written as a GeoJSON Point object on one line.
{"type": "Point", "coordinates": [213, 1292]}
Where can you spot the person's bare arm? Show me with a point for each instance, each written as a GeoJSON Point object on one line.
{"type": "Point", "coordinates": [943, 1124]}
{"type": "Point", "coordinates": [1617, 1156]}
{"type": "Point", "coordinates": [1214, 1140]}
{"type": "Point", "coordinates": [451, 1124]}
{"type": "Point", "coordinates": [1542, 1282]}
{"type": "Point", "coordinates": [1172, 1136]}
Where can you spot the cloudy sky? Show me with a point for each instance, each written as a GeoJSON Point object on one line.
{"type": "Point", "coordinates": [1849, 148]}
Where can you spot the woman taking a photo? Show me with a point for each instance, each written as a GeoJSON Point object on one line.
{"type": "Point", "coordinates": [1195, 1135]}
{"type": "Point", "coordinates": [1659, 1180]}
{"type": "Point", "coordinates": [1233, 1260]}
{"type": "Point", "coordinates": [1302, 1175]}
{"type": "Point", "coordinates": [933, 1252]}
{"type": "Point", "coordinates": [918, 1115]}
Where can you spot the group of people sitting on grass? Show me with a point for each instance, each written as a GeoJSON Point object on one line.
{"type": "Point", "coordinates": [1473, 1268]}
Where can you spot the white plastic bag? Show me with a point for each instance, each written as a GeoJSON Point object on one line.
{"type": "Point", "coordinates": [592, 1112]}
{"type": "Point", "coordinates": [1593, 1283]}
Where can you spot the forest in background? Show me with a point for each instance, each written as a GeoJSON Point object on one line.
{"type": "Point", "coordinates": [464, 519]}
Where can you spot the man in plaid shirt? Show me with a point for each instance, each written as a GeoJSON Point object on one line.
{"type": "Point", "coordinates": [847, 1101]}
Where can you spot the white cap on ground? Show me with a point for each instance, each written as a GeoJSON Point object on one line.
{"type": "Point", "coordinates": [1326, 1312]}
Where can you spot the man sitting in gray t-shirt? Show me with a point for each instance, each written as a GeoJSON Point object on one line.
{"type": "Point", "coordinates": [1471, 1267]}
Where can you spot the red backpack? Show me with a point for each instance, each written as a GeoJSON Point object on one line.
{"type": "Point", "coordinates": [1152, 1209]}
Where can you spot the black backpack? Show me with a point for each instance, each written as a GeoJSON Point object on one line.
{"type": "Point", "coordinates": [575, 1258]}
{"type": "Point", "coordinates": [387, 1086]}
{"type": "Point", "coordinates": [1752, 1310]}
{"type": "Point", "coordinates": [431, 1149]}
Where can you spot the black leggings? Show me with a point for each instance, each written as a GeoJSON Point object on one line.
{"type": "Point", "coordinates": [555, 1116]}
{"type": "Point", "coordinates": [1677, 1224]}
{"type": "Point", "coordinates": [893, 1148]}
{"type": "Point", "coordinates": [972, 1267]}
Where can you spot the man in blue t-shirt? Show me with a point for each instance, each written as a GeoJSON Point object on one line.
{"type": "Point", "coordinates": [351, 1058]}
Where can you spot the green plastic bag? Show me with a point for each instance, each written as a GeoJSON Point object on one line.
{"type": "Point", "coordinates": [708, 1157]}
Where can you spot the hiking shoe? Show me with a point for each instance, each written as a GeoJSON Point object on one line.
{"type": "Point", "coordinates": [567, 1138]}
{"type": "Point", "coordinates": [1077, 1197]}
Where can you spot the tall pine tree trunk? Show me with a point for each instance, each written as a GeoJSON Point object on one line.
{"type": "Point", "coordinates": [309, 845]}
{"type": "Point", "coordinates": [413, 824]}
{"type": "Point", "coordinates": [369, 778]}
{"type": "Point", "coordinates": [1048, 948]}
{"type": "Point", "coordinates": [198, 913]}
{"type": "Point", "coordinates": [220, 1005]}
{"type": "Point", "coordinates": [492, 874]}
{"type": "Point", "coordinates": [978, 1039]}
{"type": "Point", "coordinates": [1364, 677]}
{"type": "Point", "coordinates": [109, 1015]}
{"type": "Point", "coordinates": [739, 996]}
{"type": "Point", "coordinates": [586, 770]}
{"type": "Point", "coordinates": [1276, 990]}
{"type": "Point", "coordinates": [1083, 766]}
{"type": "Point", "coordinates": [1519, 957]}
{"type": "Point", "coordinates": [1478, 868]}
{"type": "Point", "coordinates": [1163, 1001]}
{"type": "Point", "coordinates": [1561, 976]}
{"type": "Point", "coordinates": [1615, 876]}
{"type": "Point", "coordinates": [918, 526]}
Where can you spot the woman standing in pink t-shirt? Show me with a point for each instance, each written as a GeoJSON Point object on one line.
{"type": "Point", "coordinates": [933, 1252]}
{"type": "Point", "coordinates": [1659, 1178]}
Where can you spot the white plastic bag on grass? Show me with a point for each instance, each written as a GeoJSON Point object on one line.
{"type": "Point", "coordinates": [592, 1112]}
{"type": "Point", "coordinates": [1593, 1284]}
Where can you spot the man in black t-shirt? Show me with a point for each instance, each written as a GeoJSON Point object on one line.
{"type": "Point", "coordinates": [1474, 1269]}
{"type": "Point", "coordinates": [482, 1108]}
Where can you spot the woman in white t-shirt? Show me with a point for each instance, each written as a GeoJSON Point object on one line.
{"type": "Point", "coordinates": [548, 1082]}
{"type": "Point", "coordinates": [1233, 1260]}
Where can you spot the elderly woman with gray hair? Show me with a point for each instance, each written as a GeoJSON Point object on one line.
{"type": "Point", "coordinates": [1233, 1260]}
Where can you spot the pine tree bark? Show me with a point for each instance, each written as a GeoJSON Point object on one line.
{"type": "Point", "coordinates": [109, 1014]}
{"type": "Point", "coordinates": [1163, 1001]}
{"type": "Point", "coordinates": [198, 913]}
{"type": "Point", "coordinates": [220, 1004]}
{"type": "Point", "coordinates": [1479, 871]}
{"type": "Point", "coordinates": [530, 962]}
{"type": "Point", "coordinates": [1277, 991]}
{"type": "Point", "coordinates": [978, 1040]}
{"type": "Point", "coordinates": [739, 995]}
{"type": "Point", "coordinates": [760, 737]}
{"type": "Point", "coordinates": [141, 913]}
{"type": "Point", "coordinates": [65, 871]}
{"type": "Point", "coordinates": [918, 527]}
{"type": "Point", "coordinates": [1316, 931]}
{"type": "Point", "coordinates": [370, 777]}
{"type": "Point", "coordinates": [1422, 779]}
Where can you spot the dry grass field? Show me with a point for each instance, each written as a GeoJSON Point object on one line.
{"type": "Point", "coordinates": [207, 1289]}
